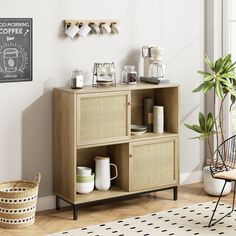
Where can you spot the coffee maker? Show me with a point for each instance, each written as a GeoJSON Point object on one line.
{"type": "Point", "coordinates": [152, 61]}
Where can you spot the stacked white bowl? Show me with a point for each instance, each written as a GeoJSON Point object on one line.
{"type": "Point", "coordinates": [84, 180]}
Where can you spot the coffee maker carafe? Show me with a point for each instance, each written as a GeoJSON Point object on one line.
{"type": "Point", "coordinates": [153, 64]}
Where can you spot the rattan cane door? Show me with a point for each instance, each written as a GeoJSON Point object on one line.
{"type": "Point", "coordinates": [153, 164]}
{"type": "Point", "coordinates": [103, 117]}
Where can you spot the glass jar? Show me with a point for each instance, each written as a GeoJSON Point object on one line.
{"type": "Point", "coordinates": [129, 75]}
{"type": "Point", "coordinates": [77, 79]}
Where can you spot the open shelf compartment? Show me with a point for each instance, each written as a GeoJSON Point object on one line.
{"type": "Point", "coordinates": [85, 157]}
{"type": "Point", "coordinates": [167, 97]}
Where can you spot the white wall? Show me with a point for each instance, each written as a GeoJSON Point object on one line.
{"type": "Point", "coordinates": [26, 107]}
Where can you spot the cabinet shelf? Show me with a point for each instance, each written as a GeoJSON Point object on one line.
{"type": "Point", "coordinates": [97, 195]}
{"type": "Point", "coordinates": [113, 192]}
{"type": "Point", "coordinates": [149, 135]}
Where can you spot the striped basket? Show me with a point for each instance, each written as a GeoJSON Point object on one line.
{"type": "Point", "coordinates": [18, 201]}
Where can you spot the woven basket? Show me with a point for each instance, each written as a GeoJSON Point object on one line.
{"type": "Point", "coordinates": [18, 201]}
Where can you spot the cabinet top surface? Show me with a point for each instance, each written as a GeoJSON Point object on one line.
{"type": "Point", "coordinates": [119, 87]}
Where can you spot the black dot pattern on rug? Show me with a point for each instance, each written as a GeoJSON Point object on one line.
{"type": "Point", "coordinates": [189, 220]}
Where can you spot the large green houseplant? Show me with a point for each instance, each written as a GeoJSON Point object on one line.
{"type": "Point", "coordinates": [220, 77]}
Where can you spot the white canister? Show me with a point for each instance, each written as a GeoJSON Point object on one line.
{"type": "Point", "coordinates": [158, 119]}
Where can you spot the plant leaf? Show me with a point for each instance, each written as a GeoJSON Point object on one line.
{"type": "Point", "coordinates": [195, 128]}
{"type": "Point", "coordinates": [229, 75]}
{"type": "Point", "coordinates": [218, 65]}
{"type": "Point", "coordinates": [199, 88]}
{"type": "Point", "coordinates": [209, 63]}
{"type": "Point", "coordinates": [203, 72]}
{"type": "Point", "coordinates": [219, 90]}
{"type": "Point", "coordinates": [207, 87]}
{"type": "Point", "coordinates": [210, 122]}
{"type": "Point", "coordinates": [202, 122]}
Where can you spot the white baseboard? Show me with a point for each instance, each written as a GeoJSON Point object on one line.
{"type": "Point", "coordinates": [47, 203]}
{"type": "Point", "coordinates": [191, 177]}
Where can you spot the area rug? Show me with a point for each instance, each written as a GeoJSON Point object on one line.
{"type": "Point", "coordinates": [189, 220]}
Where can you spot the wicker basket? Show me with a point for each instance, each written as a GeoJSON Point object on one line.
{"type": "Point", "coordinates": [18, 201]}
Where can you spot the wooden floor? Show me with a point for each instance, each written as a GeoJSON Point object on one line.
{"type": "Point", "coordinates": [54, 221]}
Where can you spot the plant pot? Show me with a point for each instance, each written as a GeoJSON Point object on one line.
{"type": "Point", "coordinates": [214, 186]}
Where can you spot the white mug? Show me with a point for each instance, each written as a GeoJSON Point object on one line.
{"type": "Point", "coordinates": [94, 28]}
{"type": "Point", "coordinates": [115, 28]}
{"type": "Point", "coordinates": [84, 171]}
{"type": "Point", "coordinates": [72, 30]}
{"type": "Point", "coordinates": [105, 28]}
{"type": "Point", "coordinates": [84, 30]}
{"type": "Point", "coordinates": [103, 174]}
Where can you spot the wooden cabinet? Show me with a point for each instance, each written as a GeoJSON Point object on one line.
{"type": "Point", "coordinates": [96, 121]}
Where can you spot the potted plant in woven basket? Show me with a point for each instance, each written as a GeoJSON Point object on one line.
{"type": "Point", "coordinates": [221, 79]}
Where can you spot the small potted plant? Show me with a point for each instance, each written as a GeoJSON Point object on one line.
{"type": "Point", "coordinates": [221, 79]}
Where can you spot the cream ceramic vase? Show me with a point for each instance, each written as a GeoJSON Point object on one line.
{"type": "Point", "coordinates": [103, 173]}
{"type": "Point", "coordinates": [214, 186]}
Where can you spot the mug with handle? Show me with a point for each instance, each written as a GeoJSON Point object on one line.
{"type": "Point", "coordinates": [71, 30]}
{"type": "Point", "coordinates": [105, 28]}
{"type": "Point", "coordinates": [84, 30]}
{"type": "Point", "coordinates": [94, 28]}
{"type": "Point", "coordinates": [115, 28]}
{"type": "Point", "coordinates": [102, 173]}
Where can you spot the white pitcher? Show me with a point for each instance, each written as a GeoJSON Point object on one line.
{"type": "Point", "coordinates": [103, 174]}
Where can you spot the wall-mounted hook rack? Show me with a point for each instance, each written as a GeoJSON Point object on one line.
{"type": "Point", "coordinates": [94, 26]}
{"type": "Point", "coordinates": [86, 22]}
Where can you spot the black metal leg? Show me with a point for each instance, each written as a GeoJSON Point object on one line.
{"type": "Point", "coordinates": [234, 195]}
{"type": "Point", "coordinates": [57, 203]}
{"type": "Point", "coordinates": [211, 224]}
{"type": "Point", "coordinates": [175, 191]}
{"type": "Point", "coordinates": [75, 212]}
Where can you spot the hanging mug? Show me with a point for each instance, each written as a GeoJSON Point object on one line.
{"type": "Point", "coordinates": [103, 174]}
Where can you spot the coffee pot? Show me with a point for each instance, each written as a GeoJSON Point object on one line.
{"type": "Point", "coordinates": [102, 173]}
{"type": "Point", "coordinates": [152, 61]}
{"type": "Point", "coordinates": [156, 69]}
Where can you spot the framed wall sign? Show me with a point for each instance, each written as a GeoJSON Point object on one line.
{"type": "Point", "coordinates": [15, 49]}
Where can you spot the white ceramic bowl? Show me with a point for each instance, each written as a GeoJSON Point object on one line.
{"type": "Point", "coordinates": [84, 171]}
{"type": "Point", "coordinates": [85, 187]}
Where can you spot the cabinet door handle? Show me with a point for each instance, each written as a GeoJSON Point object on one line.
{"type": "Point", "coordinates": [129, 103]}
{"type": "Point", "coordinates": [131, 156]}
